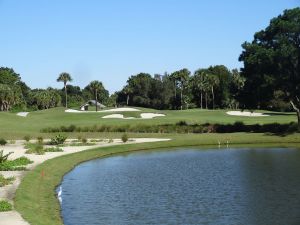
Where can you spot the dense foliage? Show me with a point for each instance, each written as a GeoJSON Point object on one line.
{"type": "Point", "coordinates": [272, 64]}
{"type": "Point", "coordinates": [213, 87]}
{"type": "Point", "coordinates": [180, 127]}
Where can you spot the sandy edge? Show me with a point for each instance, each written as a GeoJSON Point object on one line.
{"type": "Point", "coordinates": [245, 113]}
{"type": "Point", "coordinates": [8, 192]}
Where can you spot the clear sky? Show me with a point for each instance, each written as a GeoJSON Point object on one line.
{"type": "Point", "coordinates": [109, 40]}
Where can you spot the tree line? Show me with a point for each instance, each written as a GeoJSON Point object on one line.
{"type": "Point", "coordinates": [16, 95]}
{"type": "Point", "coordinates": [209, 88]}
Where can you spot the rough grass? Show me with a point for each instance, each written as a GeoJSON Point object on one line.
{"type": "Point", "coordinates": [15, 127]}
{"type": "Point", "coordinates": [36, 199]}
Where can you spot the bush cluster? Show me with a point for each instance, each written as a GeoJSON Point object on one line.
{"type": "Point", "coordinates": [181, 127]}
{"type": "Point", "coordinates": [6, 181]}
{"type": "Point", "coordinates": [15, 165]}
{"type": "Point", "coordinates": [58, 140]}
{"type": "Point", "coordinates": [39, 149]}
{"type": "Point", "coordinates": [5, 206]}
{"type": "Point", "coordinates": [124, 138]}
{"type": "Point", "coordinates": [3, 142]}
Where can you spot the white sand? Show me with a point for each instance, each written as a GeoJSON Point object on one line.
{"type": "Point", "coordinates": [74, 111]}
{"type": "Point", "coordinates": [143, 116]}
{"type": "Point", "coordinates": [23, 114]}
{"type": "Point", "coordinates": [240, 113]}
{"type": "Point", "coordinates": [8, 192]}
{"type": "Point", "coordinates": [101, 111]}
{"type": "Point", "coordinates": [121, 110]}
{"type": "Point", "coordinates": [151, 115]}
{"type": "Point", "coordinates": [114, 116]}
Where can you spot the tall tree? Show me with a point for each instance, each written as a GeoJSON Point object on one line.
{"type": "Point", "coordinates": [236, 85]}
{"type": "Point", "coordinates": [213, 82]}
{"type": "Point", "coordinates": [174, 77]}
{"type": "Point", "coordinates": [128, 91]}
{"type": "Point", "coordinates": [96, 87]}
{"type": "Point", "coordinates": [183, 77]}
{"type": "Point", "coordinates": [272, 62]}
{"type": "Point", "coordinates": [10, 89]}
{"type": "Point", "coordinates": [221, 90]}
{"type": "Point", "coordinates": [65, 78]}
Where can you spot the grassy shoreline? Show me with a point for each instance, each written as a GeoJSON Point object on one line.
{"type": "Point", "coordinates": [35, 198]}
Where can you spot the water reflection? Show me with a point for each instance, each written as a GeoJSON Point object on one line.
{"type": "Point", "coordinates": [232, 186]}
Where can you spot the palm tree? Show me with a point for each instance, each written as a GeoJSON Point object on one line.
{"type": "Point", "coordinates": [181, 76]}
{"type": "Point", "coordinates": [127, 90]}
{"type": "Point", "coordinates": [65, 77]}
{"type": "Point", "coordinates": [200, 82]}
{"type": "Point", "coordinates": [95, 87]}
{"type": "Point", "coordinates": [174, 78]}
{"type": "Point", "coordinates": [184, 78]}
{"type": "Point", "coordinates": [213, 82]}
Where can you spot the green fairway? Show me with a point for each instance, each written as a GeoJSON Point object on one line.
{"type": "Point", "coordinates": [13, 126]}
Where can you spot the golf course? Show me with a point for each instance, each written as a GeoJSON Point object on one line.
{"type": "Point", "coordinates": [149, 112]}
{"type": "Point", "coordinates": [36, 192]}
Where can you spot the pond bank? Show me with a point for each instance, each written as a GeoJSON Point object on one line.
{"type": "Point", "coordinates": [8, 192]}
{"type": "Point", "coordinates": [36, 199]}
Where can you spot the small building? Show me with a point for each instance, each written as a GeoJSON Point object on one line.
{"type": "Point", "coordinates": [85, 106]}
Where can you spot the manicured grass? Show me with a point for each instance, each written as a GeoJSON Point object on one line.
{"type": "Point", "coordinates": [36, 199]}
{"type": "Point", "coordinates": [15, 127]}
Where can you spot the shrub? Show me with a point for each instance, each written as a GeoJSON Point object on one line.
{"type": "Point", "coordinates": [110, 140]}
{"type": "Point", "coordinates": [27, 138]}
{"type": "Point", "coordinates": [124, 138]}
{"type": "Point", "coordinates": [36, 149]}
{"type": "Point", "coordinates": [6, 181]}
{"type": "Point", "coordinates": [15, 165]}
{"type": "Point", "coordinates": [3, 142]}
{"type": "Point", "coordinates": [182, 123]}
{"type": "Point", "coordinates": [3, 157]}
{"type": "Point", "coordinates": [58, 139]}
{"type": "Point", "coordinates": [5, 206]}
{"type": "Point", "coordinates": [53, 149]}
{"type": "Point", "coordinates": [12, 142]}
{"type": "Point", "coordinates": [22, 161]}
{"type": "Point", "coordinates": [84, 140]}
{"type": "Point", "coordinates": [40, 140]}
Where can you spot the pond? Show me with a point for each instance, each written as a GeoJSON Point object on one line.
{"type": "Point", "coordinates": [186, 186]}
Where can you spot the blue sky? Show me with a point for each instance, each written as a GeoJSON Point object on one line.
{"type": "Point", "coordinates": [109, 40]}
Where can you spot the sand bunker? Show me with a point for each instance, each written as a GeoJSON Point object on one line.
{"type": "Point", "coordinates": [108, 110]}
{"type": "Point", "coordinates": [151, 115]}
{"type": "Point", "coordinates": [23, 114]}
{"type": "Point", "coordinates": [121, 110]}
{"type": "Point", "coordinates": [114, 116]}
{"type": "Point", "coordinates": [143, 116]}
{"type": "Point", "coordinates": [74, 111]}
{"type": "Point", "coordinates": [250, 114]}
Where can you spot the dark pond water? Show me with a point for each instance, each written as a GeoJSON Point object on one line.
{"type": "Point", "coordinates": [187, 186]}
